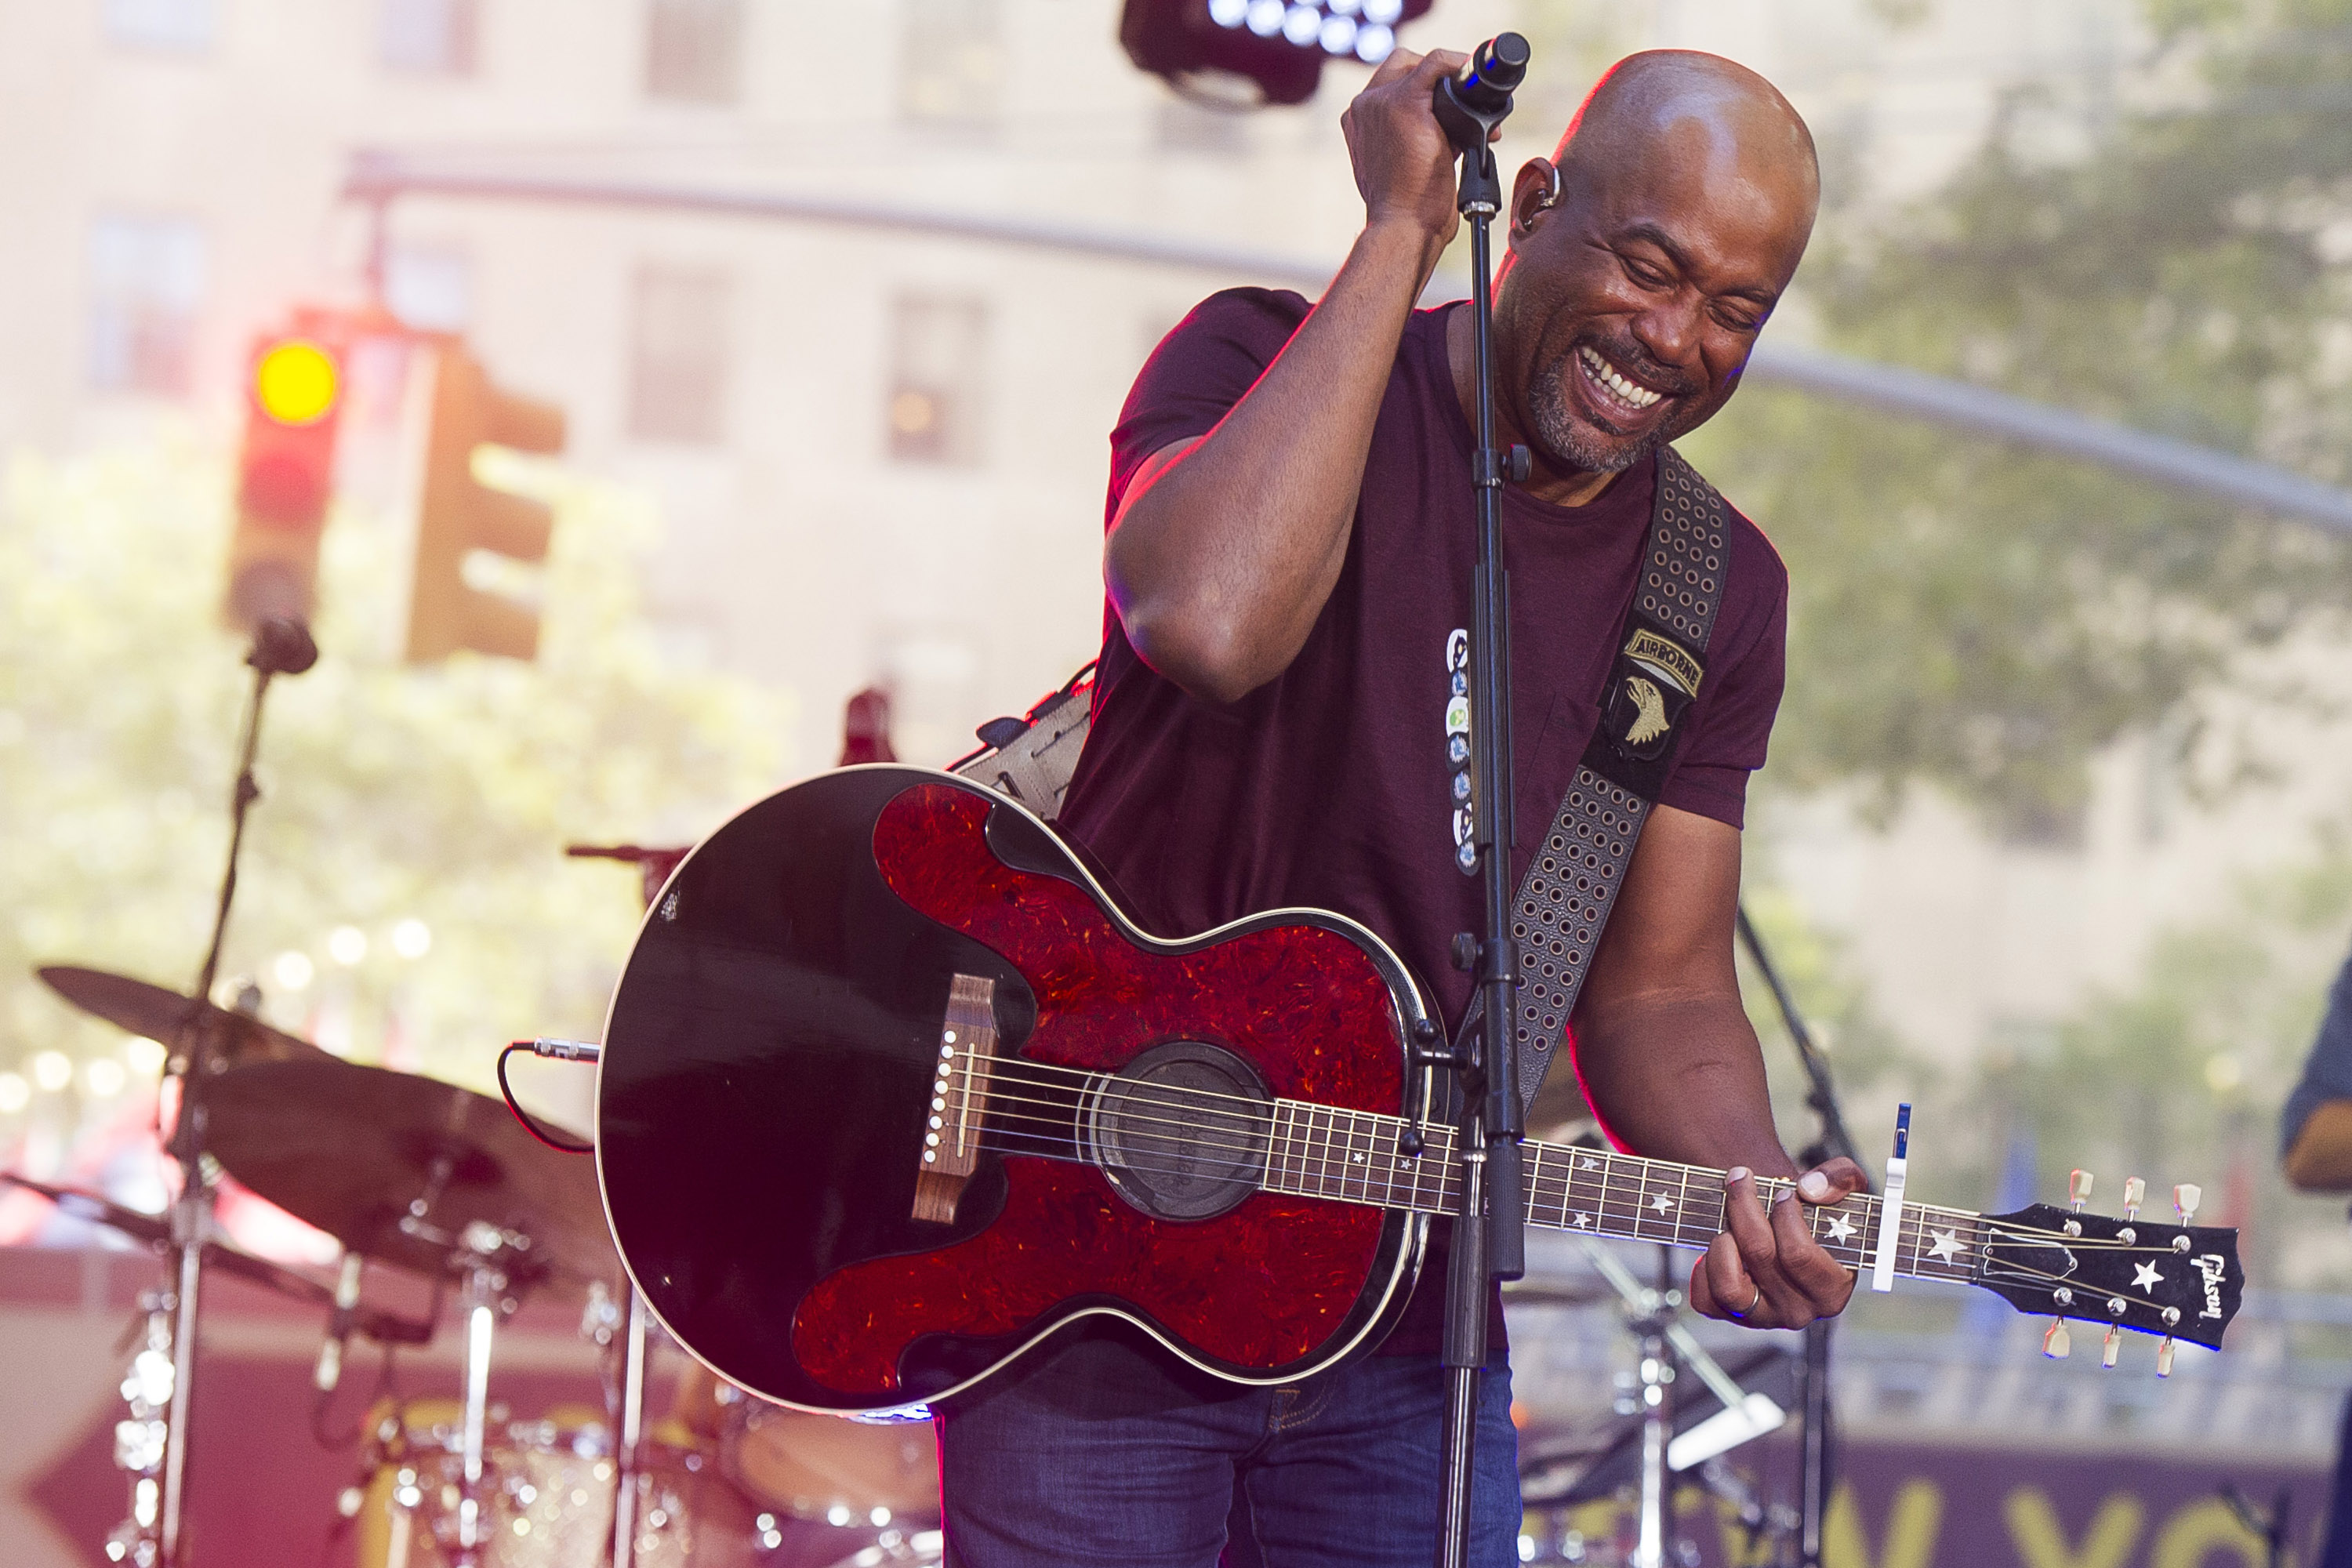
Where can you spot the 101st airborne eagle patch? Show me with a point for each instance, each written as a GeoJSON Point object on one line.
{"type": "Point", "coordinates": [1658, 677]}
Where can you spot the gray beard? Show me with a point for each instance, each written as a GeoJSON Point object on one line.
{"type": "Point", "coordinates": [1567, 441]}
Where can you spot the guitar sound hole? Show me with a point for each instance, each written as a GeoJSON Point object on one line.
{"type": "Point", "coordinates": [1182, 1131]}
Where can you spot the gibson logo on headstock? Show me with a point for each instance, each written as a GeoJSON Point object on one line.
{"type": "Point", "coordinates": [2210, 1266]}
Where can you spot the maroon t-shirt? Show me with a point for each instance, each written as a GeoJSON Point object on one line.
{"type": "Point", "coordinates": [1329, 785]}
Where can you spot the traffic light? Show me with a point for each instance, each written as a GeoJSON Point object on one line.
{"type": "Point", "coordinates": [1245, 53]}
{"type": "Point", "coordinates": [456, 514]}
{"type": "Point", "coordinates": [284, 478]}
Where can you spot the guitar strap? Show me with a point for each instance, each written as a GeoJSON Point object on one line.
{"type": "Point", "coordinates": [1571, 883]}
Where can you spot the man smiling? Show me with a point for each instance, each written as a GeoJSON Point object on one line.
{"type": "Point", "coordinates": [1288, 567]}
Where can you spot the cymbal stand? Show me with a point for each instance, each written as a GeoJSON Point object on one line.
{"type": "Point", "coordinates": [141, 1441]}
{"type": "Point", "coordinates": [1817, 1450]}
{"type": "Point", "coordinates": [1650, 1315]}
{"type": "Point", "coordinates": [280, 647]}
{"type": "Point", "coordinates": [605, 1321]}
{"type": "Point", "coordinates": [633, 1416]}
{"type": "Point", "coordinates": [480, 1303]}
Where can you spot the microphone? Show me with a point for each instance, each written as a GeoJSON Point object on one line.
{"type": "Point", "coordinates": [283, 646]}
{"type": "Point", "coordinates": [338, 1325]}
{"type": "Point", "coordinates": [1473, 101]}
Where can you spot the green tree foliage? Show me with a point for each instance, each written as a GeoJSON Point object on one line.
{"type": "Point", "coordinates": [443, 795]}
{"type": "Point", "coordinates": [2180, 1077]}
{"type": "Point", "coordinates": [1970, 615]}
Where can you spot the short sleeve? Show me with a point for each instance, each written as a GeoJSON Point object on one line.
{"type": "Point", "coordinates": [1734, 719]}
{"type": "Point", "coordinates": [2327, 1072]}
{"type": "Point", "coordinates": [1198, 373]}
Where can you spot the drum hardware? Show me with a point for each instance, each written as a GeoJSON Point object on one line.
{"type": "Point", "coordinates": [411, 1171]}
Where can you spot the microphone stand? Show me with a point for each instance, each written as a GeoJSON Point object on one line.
{"type": "Point", "coordinates": [1488, 1238]}
{"type": "Point", "coordinates": [1816, 1456]}
{"type": "Point", "coordinates": [280, 647]}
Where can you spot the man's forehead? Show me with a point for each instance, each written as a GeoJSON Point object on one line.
{"type": "Point", "coordinates": [1702, 191]}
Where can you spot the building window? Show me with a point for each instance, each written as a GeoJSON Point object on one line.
{"type": "Point", "coordinates": [951, 62]}
{"type": "Point", "coordinates": [935, 352]}
{"type": "Point", "coordinates": [430, 290]}
{"type": "Point", "coordinates": [183, 27]}
{"type": "Point", "coordinates": [694, 50]}
{"type": "Point", "coordinates": [677, 370]}
{"type": "Point", "coordinates": [146, 283]}
{"type": "Point", "coordinates": [431, 37]}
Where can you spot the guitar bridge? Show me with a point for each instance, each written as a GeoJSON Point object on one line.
{"type": "Point", "coordinates": [959, 1092]}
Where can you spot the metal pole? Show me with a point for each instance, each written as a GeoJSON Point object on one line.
{"type": "Point", "coordinates": [633, 1410]}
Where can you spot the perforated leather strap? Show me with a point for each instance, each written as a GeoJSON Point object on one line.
{"type": "Point", "coordinates": [1572, 880]}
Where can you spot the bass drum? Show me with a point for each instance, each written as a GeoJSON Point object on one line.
{"type": "Point", "coordinates": [546, 1493]}
{"type": "Point", "coordinates": [856, 1474]}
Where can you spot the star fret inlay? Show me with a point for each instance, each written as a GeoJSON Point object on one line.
{"type": "Point", "coordinates": [2146, 1277]}
{"type": "Point", "coordinates": [1840, 1228]}
{"type": "Point", "coordinates": [1661, 1203]}
{"type": "Point", "coordinates": [1946, 1245]}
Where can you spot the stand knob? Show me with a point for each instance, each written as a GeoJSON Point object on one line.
{"type": "Point", "coordinates": [2056, 1343]}
{"type": "Point", "coordinates": [2135, 1195]}
{"type": "Point", "coordinates": [2185, 1199]}
{"type": "Point", "coordinates": [2164, 1358]}
{"type": "Point", "coordinates": [2078, 1190]}
{"type": "Point", "coordinates": [2111, 1346]}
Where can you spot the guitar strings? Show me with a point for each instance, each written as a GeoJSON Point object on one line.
{"type": "Point", "coordinates": [1061, 1135]}
{"type": "Point", "coordinates": [1382, 1120]}
{"type": "Point", "coordinates": [1914, 1229]}
{"type": "Point", "coordinates": [1061, 1145]}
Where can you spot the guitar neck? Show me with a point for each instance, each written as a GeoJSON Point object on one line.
{"type": "Point", "coordinates": [1353, 1156]}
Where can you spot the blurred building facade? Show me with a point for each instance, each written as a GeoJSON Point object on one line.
{"type": "Point", "coordinates": [881, 455]}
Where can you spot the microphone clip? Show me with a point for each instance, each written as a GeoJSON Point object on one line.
{"type": "Point", "coordinates": [1471, 103]}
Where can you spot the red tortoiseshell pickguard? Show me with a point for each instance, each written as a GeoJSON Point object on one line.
{"type": "Point", "coordinates": [1260, 1287]}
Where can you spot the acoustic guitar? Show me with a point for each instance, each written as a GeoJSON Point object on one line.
{"type": "Point", "coordinates": [891, 1090]}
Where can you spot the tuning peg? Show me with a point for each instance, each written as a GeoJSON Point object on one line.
{"type": "Point", "coordinates": [2164, 1358]}
{"type": "Point", "coordinates": [2078, 1190]}
{"type": "Point", "coordinates": [2056, 1343]}
{"type": "Point", "coordinates": [2185, 1198]}
{"type": "Point", "coordinates": [2111, 1346]}
{"type": "Point", "coordinates": [2135, 1195]}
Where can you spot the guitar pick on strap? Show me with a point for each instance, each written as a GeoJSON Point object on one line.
{"type": "Point", "coordinates": [1572, 882]}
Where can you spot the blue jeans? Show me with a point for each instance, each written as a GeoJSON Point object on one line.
{"type": "Point", "coordinates": [1107, 1449]}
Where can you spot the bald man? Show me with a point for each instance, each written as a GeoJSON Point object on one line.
{"type": "Point", "coordinates": [1289, 558]}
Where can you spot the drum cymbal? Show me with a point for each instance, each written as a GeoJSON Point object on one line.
{"type": "Point", "coordinates": [161, 1014]}
{"type": "Point", "coordinates": [154, 1231]}
{"type": "Point", "coordinates": [409, 1170]}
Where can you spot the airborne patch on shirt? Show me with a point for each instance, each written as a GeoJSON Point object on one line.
{"type": "Point", "coordinates": [1656, 679]}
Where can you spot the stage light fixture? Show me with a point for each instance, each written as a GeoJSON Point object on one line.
{"type": "Point", "coordinates": [1245, 53]}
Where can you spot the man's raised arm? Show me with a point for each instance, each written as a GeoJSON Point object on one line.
{"type": "Point", "coordinates": [1226, 548]}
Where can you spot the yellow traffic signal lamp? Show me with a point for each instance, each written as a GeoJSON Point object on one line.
{"type": "Point", "coordinates": [457, 514]}
{"type": "Point", "coordinates": [284, 478]}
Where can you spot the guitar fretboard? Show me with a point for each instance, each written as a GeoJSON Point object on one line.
{"type": "Point", "coordinates": [1354, 1157]}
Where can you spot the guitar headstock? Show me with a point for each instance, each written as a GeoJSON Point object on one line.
{"type": "Point", "coordinates": [2180, 1282]}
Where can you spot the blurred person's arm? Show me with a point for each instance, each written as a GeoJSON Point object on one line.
{"type": "Point", "coordinates": [2320, 1158]}
{"type": "Point", "coordinates": [2316, 1127]}
{"type": "Point", "coordinates": [1224, 549]}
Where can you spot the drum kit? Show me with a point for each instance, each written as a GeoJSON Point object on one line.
{"type": "Point", "coordinates": [445, 1184]}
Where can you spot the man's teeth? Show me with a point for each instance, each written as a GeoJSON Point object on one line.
{"type": "Point", "coordinates": [1633, 392]}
